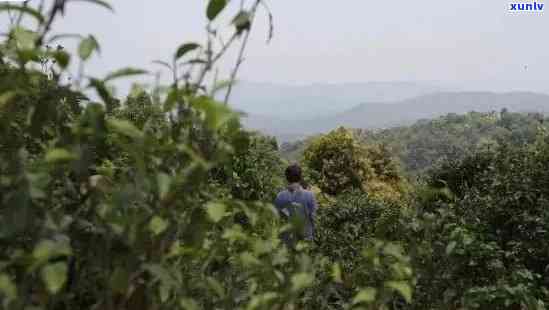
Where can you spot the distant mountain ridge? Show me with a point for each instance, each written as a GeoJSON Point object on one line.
{"type": "Point", "coordinates": [295, 102]}
{"type": "Point", "coordinates": [403, 112]}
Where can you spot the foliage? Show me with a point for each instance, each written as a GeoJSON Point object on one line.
{"type": "Point", "coordinates": [162, 201]}
{"type": "Point", "coordinates": [484, 247]}
{"type": "Point", "coordinates": [110, 205]}
{"type": "Point", "coordinates": [144, 203]}
{"type": "Point", "coordinates": [337, 162]}
{"type": "Point", "coordinates": [348, 233]}
{"type": "Point", "coordinates": [452, 137]}
{"type": "Point", "coordinates": [255, 169]}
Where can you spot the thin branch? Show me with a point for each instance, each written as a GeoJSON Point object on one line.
{"type": "Point", "coordinates": [239, 61]}
{"type": "Point", "coordinates": [20, 18]}
{"type": "Point", "coordinates": [211, 60]}
{"type": "Point", "coordinates": [271, 21]}
{"type": "Point", "coordinates": [58, 6]}
{"type": "Point", "coordinates": [240, 58]}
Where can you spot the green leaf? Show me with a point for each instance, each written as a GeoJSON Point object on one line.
{"type": "Point", "coordinates": [189, 304]}
{"type": "Point", "coordinates": [6, 97]}
{"type": "Point", "coordinates": [393, 250]}
{"type": "Point", "coordinates": [22, 9]}
{"type": "Point", "coordinates": [158, 225]}
{"type": "Point", "coordinates": [164, 181]}
{"type": "Point", "coordinates": [402, 287]}
{"type": "Point", "coordinates": [165, 292]}
{"type": "Point", "coordinates": [262, 300]}
{"type": "Point", "coordinates": [242, 21]}
{"type": "Point", "coordinates": [366, 295]}
{"type": "Point", "coordinates": [7, 288]}
{"type": "Point", "coordinates": [248, 259]}
{"type": "Point", "coordinates": [184, 49]}
{"type": "Point", "coordinates": [54, 276]}
{"type": "Point", "coordinates": [24, 38]}
{"type": "Point", "coordinates": [160, 273]}
{"type": "Point", "coordinates": [87, 46]}
{"type": "Point", "coordinates": [101, 90]}
{"type": "Point", "coordinates": [216, 114]}
{"type": "Point", "coordinates": [450, 247]}
{"type": "Point", "coordinates": [336, 273]}
{"type": "Point", "coordinates": [216, 287]}
{"type": "Point", "coordinates": [301, 281]}
{"type": "Point", "coordinates": [62, 58]}
{"type": "Point", "coordinates": [120, 280]}
{"type": "Point", "coordinates": [214, 8]}
{"type": "Point", "coordinates": [59, 156]}
{"type": "Point", "coordinates": [216, 211]}
{"type": "Point", "coordinates": [124, 72]}
{"type": "Point", "coordinates": [196, 61]}
{"type": "Point", "coordinates": [47, 249]}
{"type": "Point", "coordinates": [125, 128]}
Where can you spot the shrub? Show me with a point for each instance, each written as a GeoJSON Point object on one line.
{"type": "Point", "coordinates": [336, 162]}
{"type": "Point", "coordinates": [484, 247]}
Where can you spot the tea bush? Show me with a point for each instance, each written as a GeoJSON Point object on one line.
{"type": "Point", "coordinates": [145, 203]}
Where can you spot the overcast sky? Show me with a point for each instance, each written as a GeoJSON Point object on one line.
{"type": "Point", "coordinates": [471, 42]}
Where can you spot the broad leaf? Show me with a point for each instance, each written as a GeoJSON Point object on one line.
{"type": "Point", "coordinates": [366, 295]}
{"type": "Point", "coordinates": [402, 287]}
{"type": "Point", "coordinates": [189, 304]}
{"type": "Point", "coordinates": [125, 128]}
{"type": "Point", "coordinates": [59, 156]}
{"type": "Point", "coordinates": [54, 276]}
{"type": "Point", "coordinates": [336, 273]}
{"type": "Point", "coordinates": [47, 249]}
{"type": "Point", "coordinates": [301, 281]}
{"type": "Point", "coordinates": [62, 58]}
{"type": "Point", "coordinates": [24, 38]}
{"type": "Point", "coordinates": [216, 211]}
{"type": "Point", "coordinates": [124, 72]}
{"type": "Point", "coordinates": [87, 46]}
{"type": "Point", "coordinates": [158, 225]}
{"type": "Point", "coordinates": [7, 288]}
{"type": "Point", "coordinates": [214, 8]}
{"type": "Point", "coordinates": [242, 21]}
{"type": "Point", "coordinates": [185, 48]}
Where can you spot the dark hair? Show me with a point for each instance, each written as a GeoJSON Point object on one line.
{"type": "Point", "coordinates": [293, 174]}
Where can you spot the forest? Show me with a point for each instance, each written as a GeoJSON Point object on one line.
{"type": "Point", "coordinates": [163, 200]}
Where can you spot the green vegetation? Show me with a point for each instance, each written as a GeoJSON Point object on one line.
{"type": "Point", "coordinates": [162, 200]}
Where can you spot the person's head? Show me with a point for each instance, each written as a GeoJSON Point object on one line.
{"type": "Point", "coordinates": [293, 174]}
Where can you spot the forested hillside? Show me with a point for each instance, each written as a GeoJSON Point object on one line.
{"type": "Point", "coordinates": [426, 143]}
{"type": "Point", "coordinates": [162, 200]}
{"type": "Point", "coordinates": [372, 115]}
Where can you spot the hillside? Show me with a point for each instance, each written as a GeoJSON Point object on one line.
{"type": "Point", "coordinates": [294, 102]}
{"type": "Point", "coordinates": [423, 144]}
{"type": "Point", "coordinates": [383, 115]}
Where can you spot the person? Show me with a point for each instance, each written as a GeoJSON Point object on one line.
{"type": "Point", "coordinates": [295, 200]}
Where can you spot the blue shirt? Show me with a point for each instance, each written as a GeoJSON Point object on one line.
{"type": "Point", "coordinates": [295, 193]}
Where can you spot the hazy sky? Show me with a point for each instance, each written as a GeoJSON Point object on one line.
{"type": "Point", "coordinates": [471, 42]}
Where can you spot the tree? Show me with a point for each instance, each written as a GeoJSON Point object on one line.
{"type": "Point", "coordinates": [337, 162]}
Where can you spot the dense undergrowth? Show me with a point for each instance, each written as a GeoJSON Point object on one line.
{"type": "Point", "coordinates": [162, 201]}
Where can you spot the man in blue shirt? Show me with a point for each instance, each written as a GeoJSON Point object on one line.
{"type": "Point", "coordinates": [295, 200]}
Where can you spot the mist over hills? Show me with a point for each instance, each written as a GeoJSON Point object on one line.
{"type": "Point", "coordinates": [400, 112]}
{"type": "Point", "coordinates": [296, 102]}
